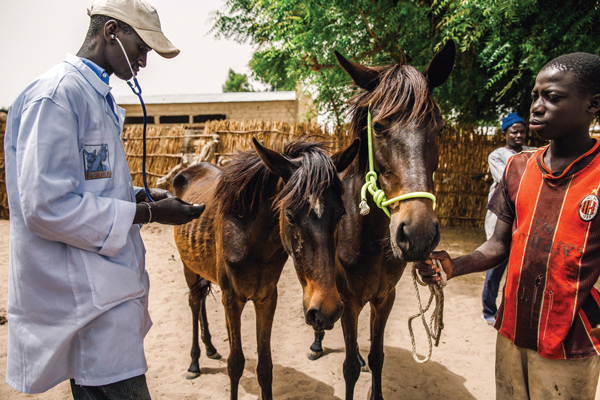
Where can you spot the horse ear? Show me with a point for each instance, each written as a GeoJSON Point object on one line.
{"type": "Point", "coordinates": [364, 77]}
{"type": "Point", "coordinates": [441, 65]}
{"type": "Point", "coordinates": [342, 159]}
{"type": "Point", "coordinates": [275, 162]}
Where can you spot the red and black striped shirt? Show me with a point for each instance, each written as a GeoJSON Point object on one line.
{"type": "Point", "coordinates": [549, 303]}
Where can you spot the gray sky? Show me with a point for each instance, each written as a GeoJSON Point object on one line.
{"type": "Point", "coordinates": [38, 33]}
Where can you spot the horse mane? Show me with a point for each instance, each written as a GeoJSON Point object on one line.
{"type": "Point", "coordinates": [315, 173]}
{"type": "Point", "coordinates": [244, 185]}
{"type": "Point", "coordinates": [402, 92]}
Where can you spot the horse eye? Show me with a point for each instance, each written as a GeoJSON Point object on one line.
{"type": "Point", "coordinates": [377, 128]}
{"type": "Point", "coordinates": [289, 217]}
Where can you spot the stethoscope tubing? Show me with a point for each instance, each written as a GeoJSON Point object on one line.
{"type": "Point", "coordinates": [137, 90]}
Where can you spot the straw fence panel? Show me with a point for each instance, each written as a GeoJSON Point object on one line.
{"type": "Point", "coordinates": [462, 180]}
{"type": "Point", "coordinates": [237, 136]}
{"type": "Point", "coordinates": [163, 151]}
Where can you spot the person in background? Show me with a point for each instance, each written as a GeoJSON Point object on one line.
{"type": "Point", "coordinates": [548, 226]}
{"type": "Point", "coordinates": [78, 287]}
{"type": "Point", "coordinates": [515, 133]}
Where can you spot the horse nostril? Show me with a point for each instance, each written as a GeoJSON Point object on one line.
{"type": "Point", "coordinates": [314, 317]}
{"type": "Point", "coordinates": [403, 233]}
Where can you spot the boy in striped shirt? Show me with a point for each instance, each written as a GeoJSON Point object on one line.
{"type": "Point", "coordinates": [547, 205]}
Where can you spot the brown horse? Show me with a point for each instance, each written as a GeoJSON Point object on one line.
{"type": "Point", "coordinates": [257, 206]}
{"type": "Point", "coordinates": [373, 249]}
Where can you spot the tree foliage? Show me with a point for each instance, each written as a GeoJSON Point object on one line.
{"type": "Point", "coordinates": [237, 83]}
{"type": "Point", "coordinates": [502, 45]}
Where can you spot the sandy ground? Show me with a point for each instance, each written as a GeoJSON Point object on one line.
{"type": "Point", "coordinates": [462, 367]}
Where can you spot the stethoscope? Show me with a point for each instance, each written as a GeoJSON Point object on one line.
{"type": "Point", "coordinates": [137, 90]}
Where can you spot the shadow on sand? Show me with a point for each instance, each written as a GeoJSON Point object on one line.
{"type": "Point", "coordinates": [403, 378]}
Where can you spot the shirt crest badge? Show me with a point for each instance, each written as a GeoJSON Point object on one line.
{"type": "Point", "coordinates": [589, 207]}
{"type": "Point", "coordinates": [96, 161]}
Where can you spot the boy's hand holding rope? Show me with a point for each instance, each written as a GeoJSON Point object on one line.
{"type": "Point", "coordinates": [436, 323]}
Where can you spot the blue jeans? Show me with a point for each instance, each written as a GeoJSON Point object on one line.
{"type": "Point", "coordinates": [129, 389]}
{"type": "Point", "coordinates": [490, 290]}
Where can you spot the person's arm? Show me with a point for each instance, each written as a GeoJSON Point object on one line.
{"type": "Point", "coordinates": [486, 256]}
{"type": "Point", "coordinates": [497, 165]}
{"type": "Point", "coordinates": [166, 208]}
{"type": "Point", "coordinates": [48, 175]}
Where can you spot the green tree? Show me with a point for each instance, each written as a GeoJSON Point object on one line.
{"type": "Point", "coordinates": [502, 45]}
{"type": "Point", "coordinates": [237, 83]}
{"type": "Point", "coordinates": [296, 38]}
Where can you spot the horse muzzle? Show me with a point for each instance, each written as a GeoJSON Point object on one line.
{"type": "Point", "coordinates": [320, 320]}
{"type": "Point", "coordinates": [414, 231]}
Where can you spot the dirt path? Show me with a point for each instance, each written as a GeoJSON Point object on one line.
{"type": "Point", "coordinates": [462, 367]}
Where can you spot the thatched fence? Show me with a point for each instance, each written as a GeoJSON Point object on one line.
{"type": "Point", "coordinates": [461, 182]}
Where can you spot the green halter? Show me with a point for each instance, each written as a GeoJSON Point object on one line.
{"type": "Point", "coordinates": [371, 184]}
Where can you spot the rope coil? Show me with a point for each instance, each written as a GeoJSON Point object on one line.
{"type": "Point", "coordinates": [436, 322]}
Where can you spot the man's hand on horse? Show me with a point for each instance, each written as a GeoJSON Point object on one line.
{"type": "Point", "coordinates": [429, 270]}
{"type": "Point", "coordinates": [157, 194]}
{"type": "Point", "coordinates": [174, 211]}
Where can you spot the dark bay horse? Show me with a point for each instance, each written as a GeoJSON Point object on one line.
{"type": "Point", "coordinates": [259, 205]}
{"type": "Point", "coordinates": [373, 249]}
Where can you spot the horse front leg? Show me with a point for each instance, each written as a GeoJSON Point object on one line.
{"type": "Point", "coordinates": [380, 311]}
{"type": "Point", "coordinates": [233, 318]}
{"type": "Point", "coordinates": [192, 279]}
{"type": "Point", "coordinates": [265, 311]}
{"type": "Point", "coordinates": [351, 363]}
{"type": "Point", "coordinates": [316, 349]}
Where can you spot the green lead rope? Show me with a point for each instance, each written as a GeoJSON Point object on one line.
{"type": "Point", "coordinates": [371, 184]}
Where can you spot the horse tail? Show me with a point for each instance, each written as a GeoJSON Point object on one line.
{"type": "Point", "coordinates": [201, 287]}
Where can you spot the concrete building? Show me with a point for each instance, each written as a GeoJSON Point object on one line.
{"type": "Point", "coordinates": [196, 109]}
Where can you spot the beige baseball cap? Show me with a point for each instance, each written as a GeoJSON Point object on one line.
{"type": "Point", "coordinates": [142, 17]}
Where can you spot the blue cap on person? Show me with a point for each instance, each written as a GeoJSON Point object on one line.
{"type": "Point", "coordinates": [510, 120]}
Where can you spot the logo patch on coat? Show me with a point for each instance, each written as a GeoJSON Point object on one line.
{"type": "Point", "coordinates": [589, 207]}
{"type": "Point", "coordinates": [96, 161]}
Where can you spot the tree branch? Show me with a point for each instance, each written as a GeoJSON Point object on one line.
{"type": "Point", "coordinates": [371, 32]}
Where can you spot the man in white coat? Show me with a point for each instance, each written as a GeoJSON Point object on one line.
{"type": "Point", "coordinates": [78, 288]}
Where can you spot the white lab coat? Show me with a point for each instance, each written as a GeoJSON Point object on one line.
{"type": "Point", "coordinates": [77, 296]}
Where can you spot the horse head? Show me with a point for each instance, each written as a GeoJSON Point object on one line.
{"type": "Point", "coordinates": [406, 124]}
{"type": "Point", "coordinates": [310, 206]}
{"type": "Point", "coordinates": [103, 152]}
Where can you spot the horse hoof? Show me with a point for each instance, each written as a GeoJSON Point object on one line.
{"type": "Point", "coordinates": [314, 355]}
{"type": "Point", "coordinates": [192, 375]}
{"type": "Point", "coordinates": [365, 368]}
{"type": "Point", "coordinates": [215, 356]}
